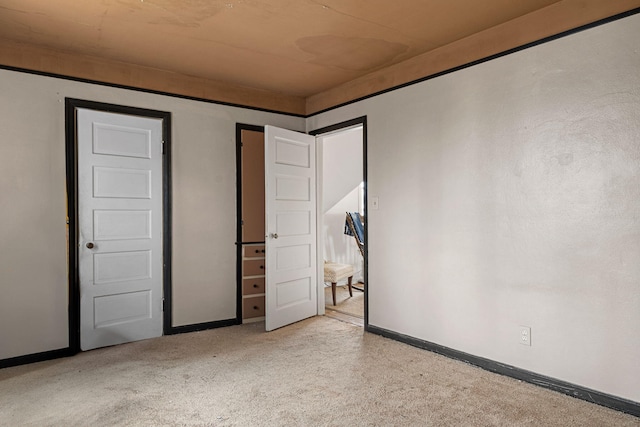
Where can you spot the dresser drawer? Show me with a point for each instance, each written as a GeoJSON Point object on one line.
{"type": "Point", "coordinates": [253, 267]}
{"type": "Point", "coordinates": [253, 307]}
{"type": "Point", "coordinates": [253, 251]}
{"type": "Point", "coordinates": [253, 286]}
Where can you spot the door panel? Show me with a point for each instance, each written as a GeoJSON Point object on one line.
{"type": "Point", "coordinates": [121, 267]}
{"type": "Point", "coordinates": [120, 227]}
{"type": "Point", "coordinates": [291, 226]}
{"type": "Point", "coordinates": [294, 223]}
{"type": "Point", "coordinates": [293, 257]}
{"type": "Point", "coordinates": [118, 309]}
{"type": "Point", "coordinates": [292, 188]}
{"type": "Point", "coordinates": [293, 292]}
{"type": "Point", "coordinates": [121, 141]}
{"type": "Point", "coordinates": [121, 183]}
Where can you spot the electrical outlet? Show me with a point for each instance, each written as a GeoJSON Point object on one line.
{"type": "Point", "coordinates": [525, 335]}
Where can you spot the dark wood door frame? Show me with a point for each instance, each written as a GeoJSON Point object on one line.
{"type": "Point", "coordinates": [360, 121]}
{"type": "Point", "coordinates": [239, 128]}
{"type": "Point", "coordinates": [71, 148]}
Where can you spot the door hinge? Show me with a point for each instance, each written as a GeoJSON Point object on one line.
{"type": "Point", "coordinates": [163, 304]}
{"type": "Point", "coordinates": [163, 150]}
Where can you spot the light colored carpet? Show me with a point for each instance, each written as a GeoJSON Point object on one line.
{"type": "Point", "coordinates": [353, 306]}
{"type": "Point", "coordinates": [319, 372]}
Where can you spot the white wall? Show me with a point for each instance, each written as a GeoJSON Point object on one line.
{"type": "Point", "coordinates": [510, 195]}
{"type": "Point", "coordinates": [342, 165]}
{"type": "Point", "coordinates": [33, 276]}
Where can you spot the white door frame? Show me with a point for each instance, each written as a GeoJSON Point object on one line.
{"type": "Point", "coordinates": [319, 133]}
{"type": "Point", "coordinates": [71, 106]}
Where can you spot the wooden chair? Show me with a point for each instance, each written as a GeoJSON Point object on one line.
{"type": "Point", "coordinates": [334, 272]}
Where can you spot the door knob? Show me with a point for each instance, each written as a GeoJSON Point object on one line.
{"type": "Point", "coordinates": [90, 245]}
{"type": "Point", "coordinates": [274, 235]}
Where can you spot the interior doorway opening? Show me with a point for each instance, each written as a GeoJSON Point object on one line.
{"type": "Point", "coordinates": [342, 200]}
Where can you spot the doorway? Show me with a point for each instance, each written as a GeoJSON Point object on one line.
{"type": "Point", "coordinates": [251, 292]}
{"type": "Point", "coordinates": [343, 199]}
{"type": "Point", "coordinates": [118, 223]}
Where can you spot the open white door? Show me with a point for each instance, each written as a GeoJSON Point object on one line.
{"type": "Point", "coordinates": [291, 264]}
{"type": "Point", "coordinates": [120, 227]}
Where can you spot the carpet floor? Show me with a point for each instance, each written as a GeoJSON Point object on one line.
{"type": "Point", "coordinates": [353, 306]}
{"type": "Point", "coordinates": [318, 372]}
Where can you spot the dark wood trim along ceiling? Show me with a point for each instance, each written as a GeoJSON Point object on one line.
{"type": "Point", "coordinates": [557, 18]}
{"type": "Point", "coordinates": [547, 22]}
{"type": "Point", "coordinates": [34, 58]}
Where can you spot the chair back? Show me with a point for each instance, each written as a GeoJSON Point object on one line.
{"type": "Point", "coordinates": [354, 227]}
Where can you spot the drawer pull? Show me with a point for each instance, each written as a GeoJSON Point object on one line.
{"type": "Point", "coordinates": [255, 285]}
{"type": "Point", "coordinates": [262, 267]}
{"type": "Point", "coordinates": [255, 307]}
{"type": "Point", "coordinates": [257, 251]}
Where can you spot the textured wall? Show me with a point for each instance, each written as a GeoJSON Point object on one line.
{"type": "Point", "coordinates": [510, 195]}
{"type": "Point", "coordinates": [33, 265]}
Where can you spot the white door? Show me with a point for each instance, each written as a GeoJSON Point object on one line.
{"type": "Point", "coordinates": [120, 227]}
{"type": "Point", "coordinates": [290, 180]}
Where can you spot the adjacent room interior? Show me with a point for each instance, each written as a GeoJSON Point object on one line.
{"type": "Point", "coordinates": [343, 195]}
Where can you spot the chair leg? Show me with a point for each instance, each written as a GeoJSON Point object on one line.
{"type": "Point", "coordinates": [349, 283]}
{"type": "Point", "coordinates": [333, 292]}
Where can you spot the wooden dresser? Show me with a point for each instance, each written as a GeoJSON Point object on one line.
{"type": "Point", "coordinates": [253, 268]}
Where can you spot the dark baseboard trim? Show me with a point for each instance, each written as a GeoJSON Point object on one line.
{"type": "Point", "coordinates": [201, 326]}
{"type": "Point", "coordinates": [603, 399]}
{"type": "Point", "coordinates": [36, 357]}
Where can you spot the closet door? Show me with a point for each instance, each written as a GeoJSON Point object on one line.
{"type": "Point", "coordinates": [291, 263]}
